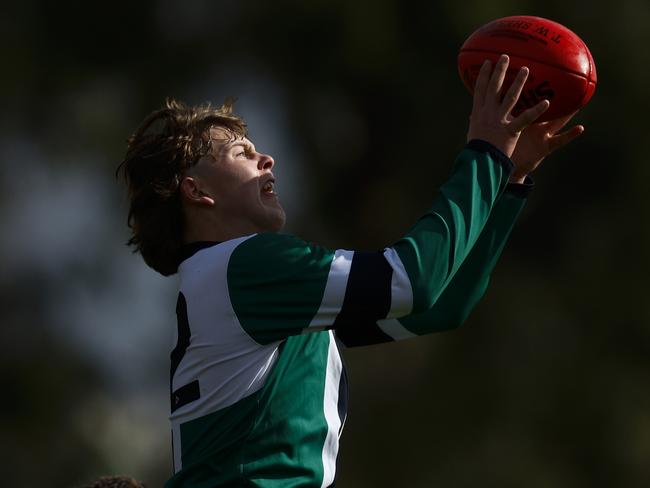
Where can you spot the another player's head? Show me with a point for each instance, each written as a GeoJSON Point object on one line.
{"type": "Point", "coordinates": [115, 482]}
{"type": "Point", "coordinates": [193, 175]}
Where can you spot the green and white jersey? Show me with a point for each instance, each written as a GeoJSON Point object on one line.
{"type": "Point", "coordinates": [259, 390]}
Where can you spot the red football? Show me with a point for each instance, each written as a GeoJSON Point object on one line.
{"type": "Point", "coordinates": [561, 67]}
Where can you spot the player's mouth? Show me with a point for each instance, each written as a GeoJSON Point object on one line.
{"type": "Point", "coordinates": [269, 188]}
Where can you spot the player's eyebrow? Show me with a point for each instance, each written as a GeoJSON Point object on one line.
{"type": "Point", "coordinates": [246, 145]}
{"type": "Point", "coordinates": [225, 146]}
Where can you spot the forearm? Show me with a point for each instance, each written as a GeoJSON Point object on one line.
{"type": "Point", "coordinates": [410, 276]}
{"type": "Point", "coordinates": [471, 281]}
{"type": "Point", "coordinates": [434, 249]}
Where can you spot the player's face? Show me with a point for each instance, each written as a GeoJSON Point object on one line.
{"type": "Point", "coordinates": [240, 180]}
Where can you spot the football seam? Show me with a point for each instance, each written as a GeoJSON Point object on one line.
{"type": "Point", "coordinates": [553, 65]}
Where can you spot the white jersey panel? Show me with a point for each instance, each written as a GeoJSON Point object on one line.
{"type": "Point", "coordinates": [228, 364]}
{"type": "Point", "coordinates": [330, 409]}
{"type": "Point", "coordinates": [337, 281]}
{"type": "Point", "coordinates": [400, 287]}
{"type": "Point", "coordinates": [394, 329]}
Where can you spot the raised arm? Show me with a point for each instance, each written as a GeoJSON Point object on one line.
{"type": "Point", "coordinates": [471, 281]}
{"type": "Point", "coordinates": [281, 286]}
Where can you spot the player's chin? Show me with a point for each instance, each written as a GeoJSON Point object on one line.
{"type": "Point", "coordinates": [274, 218]}
{"type": "Point", "coordinates": [278, 220]}
{"type": "Point", "coordinates": [271, 215]}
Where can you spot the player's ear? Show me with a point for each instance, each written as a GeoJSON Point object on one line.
{"type": "Point", "coordinates": [191, 192]}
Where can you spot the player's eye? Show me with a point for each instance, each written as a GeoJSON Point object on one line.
{"type": "Point", "coordinates": [244, 152]}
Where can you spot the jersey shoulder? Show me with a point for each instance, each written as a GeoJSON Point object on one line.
{"type": "Point", "coordinates": [276, 283]}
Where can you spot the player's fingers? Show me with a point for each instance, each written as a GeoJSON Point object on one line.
{"type": "Point", "coordinates": [528, 117]}
{"type": "Point", "coordinates": [512, 95]}
{"type": "Point", "coordinates": [561, 140]}
{"type": "Point", "coordinates": [557, 124]}
{"type": "Point", "coordinates": [498, 75]}
{"type": "Point", "coordinates": [481, 83]}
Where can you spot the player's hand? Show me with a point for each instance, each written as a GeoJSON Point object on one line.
{"type": "Point", "coordinates": [538, 141]}
{"type": "Point", "coordinates": [491, 120]}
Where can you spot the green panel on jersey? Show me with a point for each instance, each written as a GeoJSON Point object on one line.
{"type": "Point", "coordinates": [436, 246]}
{"type": "Point", "coordinates": [273, 438]}
{"type": "Point", "coordinates": [470, 282]}
{"type": "Point", "coordinates": [276, 283]}
{"type": "Point", "coordinates": [285, 447]}
{"type": "Point", "coordinates": [212, 446]}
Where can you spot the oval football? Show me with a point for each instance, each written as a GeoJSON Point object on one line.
{"type": "Point", "coordinates": [562, 69]}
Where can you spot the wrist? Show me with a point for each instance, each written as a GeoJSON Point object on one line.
{"type": "Point", "coordinates": [517, 178]}
{"type": "Point", "coordinates": [504, 147]}
{"type": "Point", "coordinates": [481, 145]}
{"type": "Point", "coordinates": [520, 190]}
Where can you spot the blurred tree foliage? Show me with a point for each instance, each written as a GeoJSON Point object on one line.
{"type": "Point", "coordinates": [546, 385]}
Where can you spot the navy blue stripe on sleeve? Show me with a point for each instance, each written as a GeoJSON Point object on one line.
{"type": "Point", "coordinates": [367, 299]}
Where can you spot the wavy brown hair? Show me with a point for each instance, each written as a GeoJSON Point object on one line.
{"type": "Point", "coordinates": [167, 143]}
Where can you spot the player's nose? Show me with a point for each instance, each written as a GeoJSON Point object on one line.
{"type": "Point", "coordinates": [265, 162]}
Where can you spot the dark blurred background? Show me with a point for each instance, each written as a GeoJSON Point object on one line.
{"type": "Point", "coordinates": [360, 103]}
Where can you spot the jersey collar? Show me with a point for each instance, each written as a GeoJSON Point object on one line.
{"type": "Point", "coordinates": [189, 250]}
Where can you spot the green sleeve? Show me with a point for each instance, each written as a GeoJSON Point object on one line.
{"type": "Point", "coordinates": [434, 249]}
{"type": "Point", "coordinates": [471, 281]}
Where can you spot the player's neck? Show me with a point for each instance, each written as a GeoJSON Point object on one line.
{"type": "Point", "coordinates": [213, 229]}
